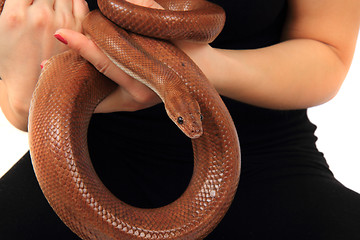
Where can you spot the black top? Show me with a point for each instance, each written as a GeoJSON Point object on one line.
{"type": "Point", "coordinates": [146, 152]}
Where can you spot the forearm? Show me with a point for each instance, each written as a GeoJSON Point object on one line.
{"type": "Point", "coordinates": [290, 75]}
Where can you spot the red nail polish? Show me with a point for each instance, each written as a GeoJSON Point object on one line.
{"type": "Point", "coordinates": [60, 38]}
{"type": "Point", "coordinates": [41, 66]}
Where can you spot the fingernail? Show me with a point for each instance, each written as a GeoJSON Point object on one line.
{"type": "Point", "coordinates": [60, 38]}
{"type": "Point", "coordinates": [42, 64]}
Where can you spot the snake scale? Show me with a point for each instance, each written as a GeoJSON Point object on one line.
{"type": "Point", "coordinates": [70, 88]}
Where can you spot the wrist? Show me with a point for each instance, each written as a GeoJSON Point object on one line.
{"type": "Point", "coordinates": [205, 57]}
{"type": "Point", "coordinates": [16, 112]}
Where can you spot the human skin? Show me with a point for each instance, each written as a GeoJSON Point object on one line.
{"type": "Point", "coordinates": [26, 39]}
{"type": "Point", "coordinates": [306, 69]}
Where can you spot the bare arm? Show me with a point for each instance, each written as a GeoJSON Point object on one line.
{"type": "Point", "coordinates": [304, 70]}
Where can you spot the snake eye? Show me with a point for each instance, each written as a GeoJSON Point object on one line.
{"type": "Point", "coordinates": [180, 120]}
{"type": "Point", "coordinates": [201, 117]}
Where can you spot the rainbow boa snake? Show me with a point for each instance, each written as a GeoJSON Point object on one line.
{"type": "Point", "coordinates": [69, 89]}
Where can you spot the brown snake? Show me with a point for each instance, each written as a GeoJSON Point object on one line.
{"type": "Point", "coordinates": [70, 88]}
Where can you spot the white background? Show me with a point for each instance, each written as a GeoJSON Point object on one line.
{"type": "Point", "coordinates": [338, 130]}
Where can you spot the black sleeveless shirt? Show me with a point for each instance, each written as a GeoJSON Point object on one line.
{"type": "Point", "coordinates": [146, 161]}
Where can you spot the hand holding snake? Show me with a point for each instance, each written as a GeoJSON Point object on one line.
{"type": "Point", "coordinates": [69, 90]}
{"type": "Point", "coordinates": [130, 95]}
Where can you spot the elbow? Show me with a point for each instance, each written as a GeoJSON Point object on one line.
{"type": "Point", "coordinates": [336, 66]}
{"type": "Point", "coordinates": [338, 71]}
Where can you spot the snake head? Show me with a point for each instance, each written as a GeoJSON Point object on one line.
{"type": "Point", "coordinates": [185, 113]}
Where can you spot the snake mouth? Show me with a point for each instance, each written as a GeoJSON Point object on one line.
{"type": "Point", "coordinates": [192, 133]}
{"type": "Point", "coordinates": [196, 134]}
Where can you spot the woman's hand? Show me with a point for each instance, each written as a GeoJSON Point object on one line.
{"type": "Point", "coordinates": [26, 39]}
{"type": "Point", "coordinates": [131, 95]}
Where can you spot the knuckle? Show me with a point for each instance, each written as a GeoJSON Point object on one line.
{"type": "Point", "coordinates": [102, 67]}
{"type": "Point", "coordinates": [13, 19]}
{"type": "Point", "coordinates": [42, 18]}
{"type": "Point", "coordinates": [78, 48]}
{"type": "Point", "coordinates": [65, 20]}
{"type": "Point", "coordinates": [85, 49]}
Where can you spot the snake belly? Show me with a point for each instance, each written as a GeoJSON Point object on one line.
{"type": "Point", "coordinates": [70, 88]}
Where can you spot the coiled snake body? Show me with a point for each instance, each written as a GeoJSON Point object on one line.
{"type": "Point", "coordinates": [70, 88]}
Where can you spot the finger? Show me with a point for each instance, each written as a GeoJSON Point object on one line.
{"type": "Point", "coordinates": [146, 3]}
{"type": "Point", "coordinates": [88, 50]}
{"type": "Point", "coordinates": [64, 13]}
{"type": "Point", "coordinates": [43, 3]}
{"type": "Point", "coordinates": [80, 9]}
{"type": "Point", "coordinates": [64, 6]}
{"type": "Point", "coordinates": [119, 100]}
{"type": "Point", "coordinates": [11, 5]}
{"type": "Point", "coordinates": [122, 100]}
{"type": "Point", "coordinates": [43, 63]}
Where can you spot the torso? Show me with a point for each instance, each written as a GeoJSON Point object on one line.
{"type": "Point", "coordinates": [156, 157]}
